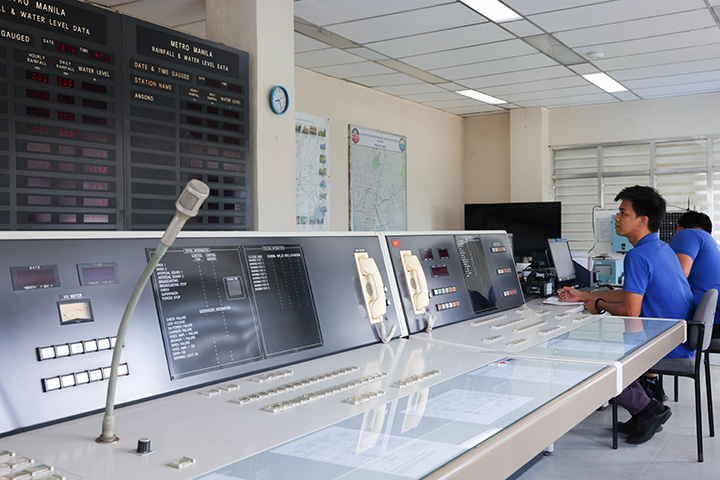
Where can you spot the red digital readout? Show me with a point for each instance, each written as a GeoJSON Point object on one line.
{"type": "Point", "coordinates": [39, 94]}
{"type": "Point", "coordinates": [103, 57]}
{"type": "Point", "coordinates": [66, 167]}
{"type": "Point", "coordinates": [65, 82]}
{"type": "Point", "coordinates": [95, 186]}
{"type": "Point", "coordinates": [67, 116]}
{"type": "Point", "coordinates": [63, 47]}
{"type": "Point", "coordinates": [97, 169]}
{"type": "Point", "coordinates": [95, 219]}
{"type": "Point", "coordinates": [69, 99]}
{"type": "Point", "coordinates": [36, 76]}
{"type": "Point", "coordinates": [64, 132]}
{"type": "Point", "coordinates": [95, 202]}
{"type": "Point", "coordinates": [37, 129]}
{"type": "Point", "coordinates": [38, 165]}
{"type": "Point", "coordinates": [94, 153]}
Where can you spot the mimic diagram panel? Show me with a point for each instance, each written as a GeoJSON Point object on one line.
{"type": "Point", "coordinates": [455, 277]}
{"type": "Point", "coordinates": [218, 307]}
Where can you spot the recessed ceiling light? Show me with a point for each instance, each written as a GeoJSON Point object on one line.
{"type": "Point", "coordinates": [493, 9]}
{"type": "Point", "coordinates": [481, 97]}
{"type": "Point", "coordinates": [605, 82]}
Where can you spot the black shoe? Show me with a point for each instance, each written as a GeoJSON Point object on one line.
{"type": "Point", "coordinates": [653, 389]}
{"type": "Point", "coordinates": [647, 427]}
{"type": "Point", "coordinates": [631, 425]}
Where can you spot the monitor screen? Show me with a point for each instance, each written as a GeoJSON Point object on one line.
{"type": "Point", "coordinates": [561, 259]}
{"type": "Point", "coordinates": [531, 223]}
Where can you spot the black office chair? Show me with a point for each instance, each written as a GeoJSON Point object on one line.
{"type": "Point", "coordinates": [713, 348]}
{"type": "Point", "coordinates": [699, 336]}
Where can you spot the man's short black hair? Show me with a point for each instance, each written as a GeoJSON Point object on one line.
{"type": "Point", "coordinates": [646, 201]}
{"type": "Point", "coordinates": [693, 219]}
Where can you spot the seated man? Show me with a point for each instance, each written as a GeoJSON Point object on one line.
{"type": "Point", "coordinates": [699, 256]}
{"type": "Point", "coordinates": [654, 286]}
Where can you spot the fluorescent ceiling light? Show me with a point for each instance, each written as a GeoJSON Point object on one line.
{"type": "Point", "coordinates": [481, 97]}
{"type": "Point", "coordinates": [493, 9]}
{"type": "Point", "coordinates": [605, 82]}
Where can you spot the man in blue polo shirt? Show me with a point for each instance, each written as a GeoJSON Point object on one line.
{"type": "Point", "coordinates": [699, 256]}
{"type": "Point", "coordinates": [654, 286]}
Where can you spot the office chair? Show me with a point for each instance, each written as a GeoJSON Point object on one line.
{"type": "Point", "coordinates": [713, 348]}
{"type": "Point", "coordinates": [699, 336]}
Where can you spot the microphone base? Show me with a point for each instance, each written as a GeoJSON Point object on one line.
{"type": "Point", "coordinates": [107, 440]}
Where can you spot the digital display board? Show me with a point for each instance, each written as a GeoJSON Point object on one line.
{"type": "Point", "coordinates": [105, 118]}
{"type": "Point", "coordinates": [477, 275]}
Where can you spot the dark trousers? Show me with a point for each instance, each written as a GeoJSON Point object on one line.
{"type": "Point", "coordinates": [633, 398]}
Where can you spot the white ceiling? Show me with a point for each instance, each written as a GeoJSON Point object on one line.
{"type": "Point", "coordinates": [425, 50]}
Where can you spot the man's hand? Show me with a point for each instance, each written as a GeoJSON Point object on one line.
{"type": "Point", "coordinates": [569, 294]}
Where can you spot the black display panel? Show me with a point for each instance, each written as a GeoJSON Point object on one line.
{"type": "Point", "coordinates": [224, 306]}
{"type": "Point", "coordinates": [62, 101]}
{"type": "Point", "coordinates": [477, 275]}
{"type": "Point", "coordinates": [530, 223]}
{"type": "Point", "coordinates": [104, 119]}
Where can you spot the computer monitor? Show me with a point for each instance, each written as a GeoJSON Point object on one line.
{"type": "Point", "coordinates": [561, 259]}
{"type": "Point", "coordinates": [531, 223]}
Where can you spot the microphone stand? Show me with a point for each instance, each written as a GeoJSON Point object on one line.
{"type": "Point", "coordinates": [187, 206]}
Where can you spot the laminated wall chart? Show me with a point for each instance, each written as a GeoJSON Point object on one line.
{"type": "Point", "coordinates": [311, 172]}
{"type": "Point", "coordinates": [378, 180]}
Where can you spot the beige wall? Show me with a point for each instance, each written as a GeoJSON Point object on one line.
{"type": "Point", "coordinates": [435, 159]}
{"type": "Point", "coordinates": [486, 177]}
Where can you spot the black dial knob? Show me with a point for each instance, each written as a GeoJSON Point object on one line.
{"type": "Point", "coordinates": [143, 445]}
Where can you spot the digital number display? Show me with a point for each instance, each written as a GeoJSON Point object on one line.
{"type": "Point", "coordinates": [36, 76]}
{"type": "Point", "coordinates": [37, 112]}
{"type": "Point", "coordinates": [65, 82]}
{"type": "Point", "coordinates": [64, 132]}
{"type": "Point", "coordinates": [97, 274]}
{"type": "Point", "coordinates": [36, 276]}
{"type": "Point", "coordinates": [95, 186]}
{"type": "Point", "coordinates": [97, 169]}
{"type": "Point", "coordinates": [63, 47]}
{"type": "Point", "coordinates": [66, 167]}
{"type": "Point", "coordinates": [426, 254]}
{"type": "Point", "coordinates": [95, 202]}
{"type": "Point", "coordinates": [37, 129]}
{"type": "Point", "coordinates": [39, 94]}
{"type": "Point", "coordinates": [96, 218]}
{"type": "Point", "coordinates": [67, 116]}
{"type": "Point", "coordinates": [440, 271]}
{"type": "Point", "coordinates": [103, 57]}
{"type": "Point", "coordinates": [38, 165]}
{"type": "Point", "coordinates": [93, 87]}
{"type": "Point", "coordinates": [69, 99]}
{"type": "Point", "coordinates": [94, 153]}
{"type": "Point", "coordinates": [443, 253]}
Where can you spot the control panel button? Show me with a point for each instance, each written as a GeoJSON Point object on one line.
{"type": "Point", "coordinates": [91, 346]}
{"type": "Point", "coordinates": [62, 350]}
{"type": "Point", "coordinates": [82, 377]}
{"type": "Point", "coordinates": [46, 353]}
{"type": "Point", "coordinates": [122, 370]}
{"type": "Point", "coordinates": [103, 343]}
{"type": "Point", "coordinates": [67, 380]}
{"type": "Point", "coordinates": [95, 375]}
{"type": "Point", "coordinates": [77, 348]}
{"type": "Point", "coordinates": [52, 383]}
{"type": "Point", "coordinates": [181, 463]}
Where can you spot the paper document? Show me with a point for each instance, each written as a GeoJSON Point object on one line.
{"type": "Point", "coordinates": [554, 300]}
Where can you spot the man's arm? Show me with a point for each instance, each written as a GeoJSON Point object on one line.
{"type": "Point", "coordinates": [616, 302]}
{"type": "Point", "coordinates": [686, 262]}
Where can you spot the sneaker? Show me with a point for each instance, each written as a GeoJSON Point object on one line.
{"type": "Point", "coordinates": [654, 389]}
{"type": "Point", "coordinates": [647, 427]}
{"type": "Point", "coordinates": [631, 425]}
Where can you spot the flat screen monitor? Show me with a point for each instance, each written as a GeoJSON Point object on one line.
{"type": "Point", "coordinates": [561, 259]}
{"type": "Point", "coordinates": [531, 223]}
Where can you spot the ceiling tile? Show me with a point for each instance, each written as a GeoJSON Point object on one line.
{"type": "Point", "coordinates": [426, 20]}
{"type": "Point", "coordinates": [690, 38]}
{"type": "Point", "coordinates": [323, 58]}
{"type": "Point", "coordinates": [479, 108]}
{"type": "Point", "coordinates": [387, 80]}
{"type": "Point", "coordinates": [431, 97]}
{"type": "Point", "coordinates": [442, 40]}
{"type": "Point", "coordinates": [529, 7]}
{"type": "Point", "coordinates": [159, 12]}
{"type": "Point", "coordinates": [571, 101]}
{"type": "Point", "coordinates": [451, 86]}
{"type": "Point", "coordinates": [522, 28]}
{"type": "Point", "coordinates": [419, 88]}
{"type": "Point", "coordinates": [523, 76]}
{"type": "Point", "coordinates": [587, 89]}
{"type": "Point", "coordinates": [327, 12]}
{"type": "Point", "coordinates": [619, 12]}
{"type": "Point", "coordinates": [537, 85]}
{"type": "Point", "coordinates": [626, 96]}
{"type": "Point", "coordinates": [673, 80]}
{"type": "Point", "coordinates": [647, 27]}
{"type": "Point", "coordinates": [660, 58]}
{"type": "Point", "coordinates": [354, 70]}
{"type": "Point", "coordinates": [460, 102]}
{"type": "Point", "coordinates": [525, 62]}
{"type": "Point", "coordinates": [584, 68]}
{"type": "Point", "coordinates": [366, 53]}
{"type": "Point", "coordinates": [303, 43]}
{"type": "Point", "coordinates": [674, 90]}
{"type": "Point", "coordinates": [664, 70]}
{"type": "Point", "coordinates": [469, 55]}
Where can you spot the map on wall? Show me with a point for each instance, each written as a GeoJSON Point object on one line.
{"type": "Point", "coordinates": [378, 181]}
{"type": "Point", "coordinates": [311, 172]}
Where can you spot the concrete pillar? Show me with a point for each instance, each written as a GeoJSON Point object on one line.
{"type": "Point", "coordinates": [264, 29]}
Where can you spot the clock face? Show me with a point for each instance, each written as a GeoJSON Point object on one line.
{"type": "Point", "coordinates": [279, 100]}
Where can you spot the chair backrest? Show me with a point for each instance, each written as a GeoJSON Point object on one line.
{"type": "Point", "coordinates": [705, 314]}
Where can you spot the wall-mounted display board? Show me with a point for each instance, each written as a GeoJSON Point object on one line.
{"type": "Point", "coordinates": [104, 118]}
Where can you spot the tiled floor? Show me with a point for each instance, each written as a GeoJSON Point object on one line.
{"type": "Point", "coordinates": [585, 451]}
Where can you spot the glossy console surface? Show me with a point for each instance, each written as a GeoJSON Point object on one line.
{"type": "Point", "coordinates": [416, 434]}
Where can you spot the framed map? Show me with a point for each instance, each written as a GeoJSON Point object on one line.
{"type": "Point", "coordinates": [378, 180]}
{"type": "Point", "coordinates": [311, 172]}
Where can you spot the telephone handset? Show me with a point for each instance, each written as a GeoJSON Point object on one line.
{"type": "Point", "coordinates": [417, 285]}
{"type": "Point", "coordinates": [416, 282]}
{"type": "Point", "coordinates": [373, 291]}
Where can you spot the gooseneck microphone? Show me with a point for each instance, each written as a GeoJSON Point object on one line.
{"type": "Point", "coordinates": [187, 206]}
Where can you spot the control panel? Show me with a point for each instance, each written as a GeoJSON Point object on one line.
{"type": "Point", "coordinates": [453, 276]}
{"type": "Point", "coordinates": [217, 307]}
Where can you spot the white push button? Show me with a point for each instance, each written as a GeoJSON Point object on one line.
{"type": "Point", "coordinates": [52, 384]}
{"type": "Point", "coordinates": [113, 341]}
{"type": "Point", "coordinates": [103, 344]}
{"type": "Point", "coordinates": [82, 377]}
{"type": "Point", "coordinates": [91, 346]}
{"type": "Point", "coordinates": [46, 353]}
{"type": "Point", "coordinates": [77, 348]}
{"type": "Point", "coordinates": [67, 380]}
{"type": "Point", "coordinates": [122, 370]}
{"type": "Point", "coordinates": [106, 372]}
{"type": "Point", "coordinates": [95, 375]}
{"type": "Point", "coordinates": [182, 462]}
{"type": "Point", "coordinates": [62, 350]}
